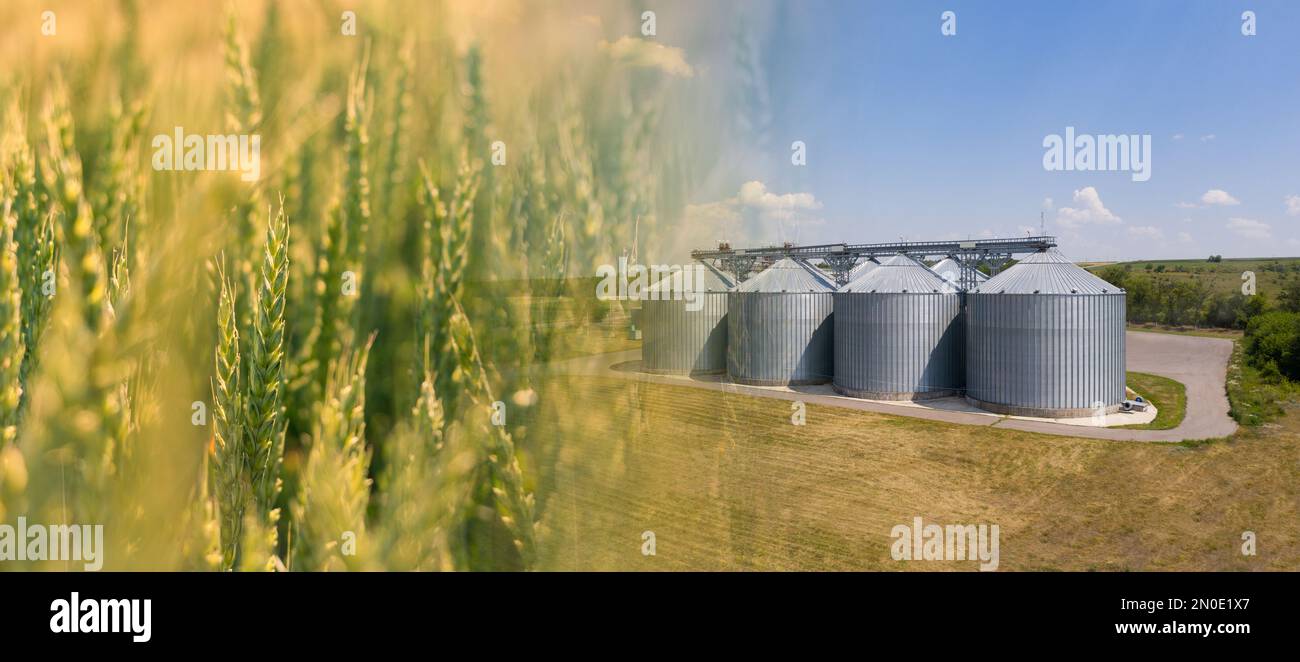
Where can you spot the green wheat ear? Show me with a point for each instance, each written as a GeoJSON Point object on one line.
{"type": "Point", "coordinates": [395, 160]}
{"type": "Point", "coordinates": [343, 243]}
{"type": "Point", "coordinates": [335, 484]}
{"type": "Point", "coordinates": [67, 191]}
{"type": "Point", "coordinates": [33, 235]}
{"type": "Point", "coordinates": [228, 460]}
{"type": "Point", "coordinates": [11, 325]}
{"type": "Point", "coordinates": [514, 505]}
{"type": "Point", "coordinates": [264, 411]}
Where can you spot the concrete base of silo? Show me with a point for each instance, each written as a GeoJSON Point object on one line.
{"type": "Point", "coordinates": [681, 373]}
{"type": "Point", "coordinates": [777, 382]}
{"type": "Point", "coordinates": [1040, 412]}
{"type": "Point", "coordinates": [886, 395]}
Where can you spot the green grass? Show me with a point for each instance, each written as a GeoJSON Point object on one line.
{"type": "Point", "coordinates": [1255, 400]}
{"type": "Point", "coordinates": [1270, 273]}
{"type": "Point", "coordinates": [1169, 397]}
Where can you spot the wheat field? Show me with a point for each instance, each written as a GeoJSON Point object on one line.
{"type": "Point", "coordinates": [326, 358]}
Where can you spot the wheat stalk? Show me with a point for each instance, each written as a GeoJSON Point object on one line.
{"type": "Point", "coordinates": [34, 238]}
{"type": "Point", "coordinates": [513, 503]}
{"type": "Point", "coordinates": [66, 186]}
{"type": "Point", "coordinates": [243, 117]}
{"type": "Point", "coordinates": [395, 170]}
{"type": "Point", "coordinates": [12, 349]}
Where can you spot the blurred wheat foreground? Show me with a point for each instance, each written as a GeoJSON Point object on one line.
{"type": "Point", "coordinates": [325, 357]}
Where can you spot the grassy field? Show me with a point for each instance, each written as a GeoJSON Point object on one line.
{"type": "Point", "coordinates": [1168, 396]}
{"type": "Point", "coordinates": [727, 482]}
{"type": "Point", "coordinates": [1270, 273]}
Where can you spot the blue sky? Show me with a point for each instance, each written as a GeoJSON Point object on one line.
{"type": "Point", "coordinates": [911, 133]}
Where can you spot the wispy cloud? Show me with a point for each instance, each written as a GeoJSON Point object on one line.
{"type": "Point", "coordinates": [1145, 232]}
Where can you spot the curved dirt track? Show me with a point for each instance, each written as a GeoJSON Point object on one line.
{"type": "Point", "coordinates": [1200, 364]}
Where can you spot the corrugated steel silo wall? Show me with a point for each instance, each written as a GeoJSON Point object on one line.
{"type": "Point", "coordinates": [779, 337]}
{"type": "Point", "coordinates": [898, 343]}
{"type": "Point", "coordinates": [678, 340]}
{"type": "Point", "coordinates": [1049, 351]}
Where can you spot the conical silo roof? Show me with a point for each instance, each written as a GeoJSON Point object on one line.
{"type": "Point", "coordinates": [788, 275]}
{"type": "Point", "coordinates": [949, 265]}
{"type": "Point", "coordinates": [862, 268]}
{"type": "Point", "coordinates": [898, 274]}
{"type": "Point", "coordinates": [1046, 272]}
{"type": "Point", "coordinates": [703, 279]}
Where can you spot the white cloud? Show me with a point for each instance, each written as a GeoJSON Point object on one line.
{"type": "Point", "coordinates": [754, 195]}
{"type": "Point", "coordinates": [1293, 205]}
{"type": "Point", "coordinates": [1048, 203]}
{"type": "Point", "coordinates": [1145, 232]}
{"type": "Point", "coordinates": [1216, 196]}
{"type": "Point", "coordinates": [1211, 198]}
{"type": "Point", "coordinates": [1178, 136]}
{"type": "Point", "coordinates": [756, 214]}
{"type": "Point", "coordinates": [1185, 237]}
{"type": "Point", "coordinates": [644, 53]}
{"type": "Point", "coordinates": [1088, 209]}
{"type": "Point", "coordinates": [1249, 228]}
{"type": "Point", "coordinates": [1207, 138]}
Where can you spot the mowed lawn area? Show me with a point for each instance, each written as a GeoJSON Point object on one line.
{"type": "Point", "coordinates": [1168, 396]}
{"type": "Point", "coordinates": [728, 482]}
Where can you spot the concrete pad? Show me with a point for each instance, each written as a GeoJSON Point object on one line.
{"type": "Point", "coordinates": [1199, 363]}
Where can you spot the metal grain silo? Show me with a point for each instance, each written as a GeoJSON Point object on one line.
{"type": "Point", "coordinates": [898, 334]}
{"type": "Point", "coordinates": [950, 270]}
{"type": "Point", "coordinates": [684, 322]}
{"type": "Point", "coordinates": [1045, 338]}
{"type": "Point", "coordinates": [779, 327]}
